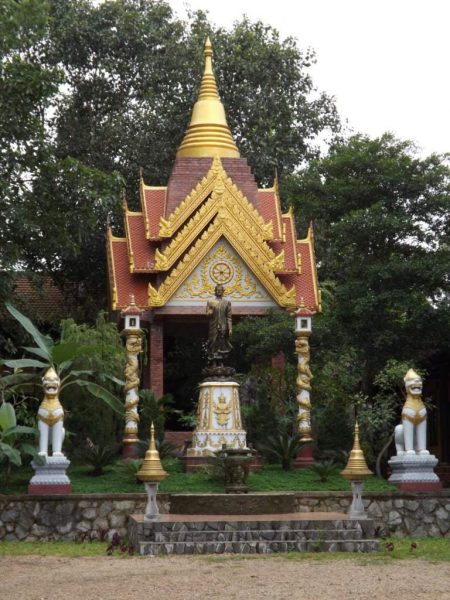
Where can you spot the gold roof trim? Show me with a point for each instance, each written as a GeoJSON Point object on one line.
{"type": "Point", "coordinates": [130, 213]}
{"type": "Point", "coordinates": [290, 216]}
{"type": "Point", "coordinates": [309, 239]}
{"type": "Point", "coordinates": [208, 133]}
{"type": "Point", "coordinates": [243, 243]}
{"type": "Point", "coordinates": [216, 180]}
{"type": "Point", "coordinates": [142, 187]}
{"type": "Point", "coordinates": [110, 238]}
{"type": "Point", "coordinates": [229, 203]}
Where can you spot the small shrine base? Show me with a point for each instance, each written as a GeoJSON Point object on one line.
{"type": "Point", "coordinates": [192, 464]}
{"type": "Point", "coordinates": [51, 477]}
{"type": "Point", "coordinates": [304, 458]}
{"type": "Point", "coordinates": [251, 534]}
{"type": "Point", "coordinates": [218, 420]}
{"type": "Point", "coordinates": [130, 451]}
{"type": "Point", "coordinates": [414, 472]}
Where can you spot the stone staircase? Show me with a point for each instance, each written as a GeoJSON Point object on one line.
{"type": "Point", "coordinates": [251, 534]}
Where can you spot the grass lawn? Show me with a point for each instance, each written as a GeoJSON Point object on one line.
{"type": "Point", "coordinates": [430, 549]}
{"type": "Point", "coordinates": [118, 479]}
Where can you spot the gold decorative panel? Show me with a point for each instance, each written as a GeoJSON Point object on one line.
{"type": "Point", "coordinates": [222, 266]}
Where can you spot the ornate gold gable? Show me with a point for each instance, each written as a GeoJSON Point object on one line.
{"type": "Point", "coordinates": [222, 265]}
{"type": "Point", "coordinates": [226, 203]}
{"type": "Point", "coordinates": [247, 246]}
{"type": "Point", "coordinates": [217, 181]}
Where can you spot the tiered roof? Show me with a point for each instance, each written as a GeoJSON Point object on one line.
{"type": "Point", "coordinates": [211, 196]}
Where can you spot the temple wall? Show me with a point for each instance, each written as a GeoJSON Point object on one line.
{"type": "Point", "coordinates": [70, 517]}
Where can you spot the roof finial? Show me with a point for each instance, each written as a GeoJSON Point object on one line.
{"type": "Point", "coordinates": [208, 133]}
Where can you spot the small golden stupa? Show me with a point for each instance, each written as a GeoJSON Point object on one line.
{"type": "Point", "coordinates": [152, 469]}
{"type": "Point", "coordinates": [356, 468]}
{"type": "Point", "coordinates": [208, 133]}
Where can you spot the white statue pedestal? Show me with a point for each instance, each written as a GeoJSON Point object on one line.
{"type": "Point", "coordinates": [414, 472]}
{"type": "Point", "coordinates": [218, 419]}
{"type": "Point", "coordinates": [356, 510]}
{"type": "Point", "coordinates": [151, 509]}
{"type": "Point", "coordinates": [51, 478]}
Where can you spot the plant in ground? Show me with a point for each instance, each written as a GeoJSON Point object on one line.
{"type": "Point", "coordinates": [132, 467]}
{"type": "Point", "coordinates": [283, 447]}
{"type": "Point", "coordinates": [61, 356]}
{"type": "Point", "coordinates": [14, 439]}
{"type": "Point", "coordinates": [165, 448]}
{"type": "Point", "coordinates": [324, 469]}
{"type": "Point", "coordinates": [120, 544]}
{"type": "Point", "coordinates": [98, 456]}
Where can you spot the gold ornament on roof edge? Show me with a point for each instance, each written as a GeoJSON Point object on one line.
{"type": "Point", "coordinates": [152, 469]}
{"type": "Point", "coordinates": [208, 133]}
{"type": "Point", "coordinates": [356, 468]}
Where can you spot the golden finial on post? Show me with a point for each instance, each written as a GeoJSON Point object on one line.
{"type": "Point", "coordinates": [152, 469]}
{"type": "Point", "coordinates": [356, 468]}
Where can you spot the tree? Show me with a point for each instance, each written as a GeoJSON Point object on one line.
{"type": "Point", "coordinates": [382, 226]}
{"type": "Point", "coordinates": [27, 87]}
{"type": "Point", "coordinates": [93, 91]}
{"type": "Point", "coordinates": [133, 70]}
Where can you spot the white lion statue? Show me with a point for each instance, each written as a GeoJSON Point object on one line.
{"type": "Point", "coordinates": [51, 416]}
{"type": "Point", "coordinates": [411, 435]}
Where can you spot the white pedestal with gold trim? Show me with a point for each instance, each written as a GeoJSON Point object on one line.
{"type": "Point", "coordinates": [218, 419]}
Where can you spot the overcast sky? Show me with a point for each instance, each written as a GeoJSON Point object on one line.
{"type": "Point", "coordinates": [386, 62]}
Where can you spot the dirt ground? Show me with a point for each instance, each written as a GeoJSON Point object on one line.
{"type": "Point", "coordinates": [179, 578]}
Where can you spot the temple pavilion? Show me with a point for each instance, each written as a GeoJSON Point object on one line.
{"type": "Point", "coordinates": [211, 224]}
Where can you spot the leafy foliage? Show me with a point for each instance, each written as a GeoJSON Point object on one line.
{"type": "Point", "coordinates": [97, 456]}
{"type": "Point", "coordinates": [14, 439]}
{"type": "Point", "coordinates": [81, 355]}
{"type": "Point", "coordinates": [283, 447]}
{"type": "Point", "coordinates": [153, 411]}
{"type": "Point", "coordinates": [324, 469]}
{"type": "Point", "coordinates": [382, 227]}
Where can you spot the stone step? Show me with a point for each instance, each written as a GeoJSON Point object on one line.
{"type": "Point", "coordinates": [257, 547]}
{"type": "Point", "coordinates": [274, 535]}
{"type": "Point", "coordinates": [247, 534]}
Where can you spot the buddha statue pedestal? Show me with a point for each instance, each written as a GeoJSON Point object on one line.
{"type": "Point", "coordinates": [218, 423]}
{"type": "Point", "coordinates": [51, 478]}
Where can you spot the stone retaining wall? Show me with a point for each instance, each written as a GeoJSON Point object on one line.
{"type": "Point", "coordinates": [68, 517]}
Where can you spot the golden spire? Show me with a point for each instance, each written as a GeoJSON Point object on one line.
{"type": "Point", "coordinates": [356, 469]}
{"type": "Point", "coordinates": [152, 469]}
{"type": "Point", "coordinates": [208, 133]}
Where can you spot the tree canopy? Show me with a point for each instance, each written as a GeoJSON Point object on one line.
{"type": "Point", "coordinates": [382, 224]}
{"type": "Point", "coordinates": [90, 92]}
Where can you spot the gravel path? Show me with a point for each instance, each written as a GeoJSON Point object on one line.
{"type": "Point", "coordinates": [180, 578]}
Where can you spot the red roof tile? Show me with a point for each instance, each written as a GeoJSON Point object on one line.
{"type": "Point", "coordinates": [305, 282]}
{"type": "Point", "coordinates": [123, 281]}
{"type": "Point", "coordinates": [141, 249]}
{"type": "Point", "coordinates": [153, 206]}
{"type": "Point", "coordinates": [269, 209]}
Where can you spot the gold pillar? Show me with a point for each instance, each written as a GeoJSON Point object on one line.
{"type": "Point", "coordinates": [303, 382]}
{"type": "Point", "coordinates": [131, 388]}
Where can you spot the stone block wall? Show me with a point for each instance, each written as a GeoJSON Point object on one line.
{"type": "Point", "coordinates": [403, 514]}
{"type": "Point", "coordinates": [68, 517]}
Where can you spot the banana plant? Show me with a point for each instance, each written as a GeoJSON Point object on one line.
{"type": "Point", "coordinates": [12, 443]}
{"type": "Point", "coordinates": [61, 356]}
